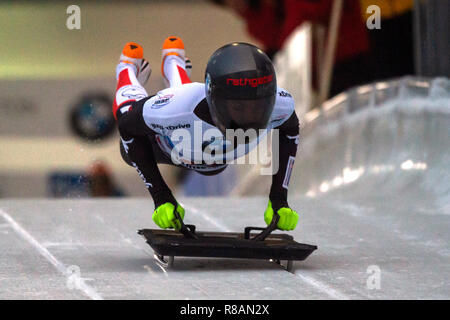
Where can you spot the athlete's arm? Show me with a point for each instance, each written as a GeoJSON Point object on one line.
{"type": "Point", "coordinates": [288, 143]}
{"type": "Point", "coordinates": [134, 134]}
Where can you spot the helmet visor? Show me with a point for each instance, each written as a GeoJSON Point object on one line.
{"type": "Point", "coordinates": [243, 114]}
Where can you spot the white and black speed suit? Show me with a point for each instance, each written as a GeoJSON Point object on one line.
{"type": "Point", "coordinates": [147, 126]}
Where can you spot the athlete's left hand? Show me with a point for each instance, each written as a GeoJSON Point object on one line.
{"type": "Point", "coordinates": [288, 217]}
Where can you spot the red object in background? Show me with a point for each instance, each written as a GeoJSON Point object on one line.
{"type": "Point", "coordinates": [100, 181]}
{"type": "Point", "coordinates": [273, 21]}
{"type": "Point", "coordinates": [353, 35]}
{"type": "Point", "coordinates": [98, 168]}
{"type": "Point", "coordinates": [264, 24]}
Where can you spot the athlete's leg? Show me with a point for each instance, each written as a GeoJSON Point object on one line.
{"type": "Point", "coordinates": [173, 66]}
{"type": "Point", "coordinates": [131, 67]}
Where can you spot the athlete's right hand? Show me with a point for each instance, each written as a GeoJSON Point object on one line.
{"type": "Point", "coordinates": [164, 216]}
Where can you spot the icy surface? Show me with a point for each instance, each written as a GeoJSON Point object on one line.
{"type": "Point", "coordinates": [99, 239]}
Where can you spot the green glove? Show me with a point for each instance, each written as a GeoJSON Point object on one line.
{"type": "Point", "coordinates": [164, 216]}
{"type": "Point", "coordinates": [288, 217]}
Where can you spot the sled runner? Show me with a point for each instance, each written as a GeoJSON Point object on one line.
{"type": "Point", "coordinates": [187, 242]}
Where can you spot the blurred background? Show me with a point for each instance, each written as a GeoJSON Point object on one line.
{"type": "Point", "coordinates": [57, 135]}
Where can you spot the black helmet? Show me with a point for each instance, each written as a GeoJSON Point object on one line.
{"type": "Point", "coordinates": [240, 87]}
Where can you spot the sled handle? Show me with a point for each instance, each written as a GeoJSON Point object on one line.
{"type": "Point", "coordinates": [265, 231]}
{"type": "Point", "coordinates": [188, 230]}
